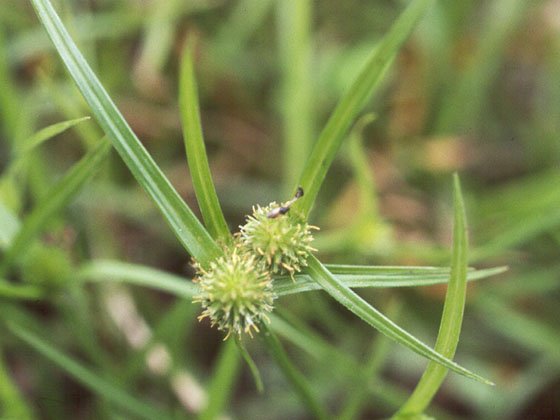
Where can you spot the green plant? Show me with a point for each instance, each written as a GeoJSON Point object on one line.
{"type": "Point", "coordinates": [224, 259]}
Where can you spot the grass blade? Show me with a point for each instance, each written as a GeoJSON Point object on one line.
{"type": "Point", "coordinates": [56, 198]}
{"type": "Point", "coordinates": [111, 270]}
{"type": "Point", "coordinates": [12, 403]}
{"type": "Point", "coordinates": [370, 369]}
{"type": "Point", "coordinates": [108, 270]}
{"type": "Point", "coordinates": [89, 379]}
{"type": "Point", "coordinates": [16, 291]}
{"type": "Point", "coordinates": [354, 303]}
{"type": "Point", "coordinates": [196, 151]}
{"type": "Point", "coordinates": [377, 278]}
{"type": "Point", "coordinates": [221, 385]}
{"type": "Point", "coordinates": [353, 102]}
{"type": "Point", "coordinates": [253, 368]}
{"type": "Point", "coordinates": [529, 332]}
{"type": "Point", "coordinates": [47, 133]}
{"type": "Point", "coordinates": [452, 317]}
{"type": "Point", "coordinates": [190, 232]}
{"type": "Point", "coordinates": [294, 19]}
{"type": "Point", "coordinates": [294, 376]}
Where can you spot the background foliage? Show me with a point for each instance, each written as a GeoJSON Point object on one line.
{"type": "Point", "coordinates": [474, 90]}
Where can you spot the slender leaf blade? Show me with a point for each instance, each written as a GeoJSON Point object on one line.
{"type": "Point", "coordinates": [9, 225]}
{"type": "Point", "coordinates": [19, 291]}
{"type": "Point", "coordinates": [57, 198]}
{"type": "Point", "coordinates": [253, 368]}
{"type": "Point", "coordinates": [304, 283]}
{"type": "Point", "coordinates": [354, 303]}
{"type": "Point", "coordinates": [529, 332]}
{"type": "Point", "coordinates": [12, 404]}
{"type": "Point", "coordinates": [190, 232]}
{"type": "Point", "coordinates": [47, 133]}
{"type": "Point", "coordinates": [196, 151]}
{"type": "Point", "coordinates": [353, 102]}
{"type": "Point", "coordinates": [221, 385]}
{"type": "Point", "coordinates": [452, 317]}
{"type": "Point", "coordinates": [109, 270]}
{"type": "Point", "coordinates": [89, 379]}
{"type": "Point", "coordinates": [293, 20]}
{"type": "Point", "coordinates": [136, 274]}
{"type": "Point", "coordinates": [294, 376]}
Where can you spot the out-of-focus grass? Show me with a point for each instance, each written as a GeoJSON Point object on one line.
{"type": "Point", "coordinates": [474, 90]}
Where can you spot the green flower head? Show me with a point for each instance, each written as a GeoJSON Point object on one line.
{"type": "Point", "coordinates": [279, 239]}
{"type": "Point", "coordinates": [235, 293]}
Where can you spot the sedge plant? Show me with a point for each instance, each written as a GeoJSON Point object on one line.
{"type": "Point", "coordinates": [239, 275]}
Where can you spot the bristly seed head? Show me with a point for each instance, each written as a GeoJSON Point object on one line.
{"type": "Point", "coordinates": [236, 290]}
{"type": "Point", "coordinates": [236, 293]}
{"type": "Point", "coordinates": [281, 243]}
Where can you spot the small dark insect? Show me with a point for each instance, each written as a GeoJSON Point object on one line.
{"type": "Point", "coordinates": [278, 211]}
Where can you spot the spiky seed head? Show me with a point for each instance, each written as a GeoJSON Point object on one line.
{"type": "Point", "coordinates": [235, 293]}
{"type": "Point", "coordinates": [281, 243]}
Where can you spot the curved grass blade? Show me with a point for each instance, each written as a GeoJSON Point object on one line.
{"type": "Point", "coordinates": [220, 388]}
{"type": "Point", "coordinates": [370, 370]}
{"type": "Point", "coordinates": [56, 198]}
{"type": "Point", "coordinates": [253, 368]}
{"type": "Point", "coordinates": [452, 317]}
{"type": "Point", "coordinates": [107, 270]}
{"type": "Point", "coordinates": [196, 151]}
{"type": "Point", "coordinates": [89, 379]}
{"type": "Point", "coordinates": [190, 232]}
{"type": "Point", "coordinates": [353, 102]}
{"type": "Point", "coordinates": [12, 403]}
{"type": "Point", "coordinates": [529, 332]}
{"type": "Point", "coordinates": [294, 376]}
{"type": "Point", "coordinates": [15, 291]}
{"type": "Point", "coordinates": [312, 343]}
{"type": "Point", "coordinates": [45, 134]}
{"type": "Point", "coordinates": [354, 303]}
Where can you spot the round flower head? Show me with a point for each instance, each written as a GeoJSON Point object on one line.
{"type": "Point", "coordinates": [280, 239]}
{"type": "Point", "coordinates": [235, 293]}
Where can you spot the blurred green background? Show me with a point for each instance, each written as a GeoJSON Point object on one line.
{"type": "Point", "coordinates": [476, 89]}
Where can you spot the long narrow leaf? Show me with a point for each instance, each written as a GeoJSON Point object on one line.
{"type": "Point", "coordinates": [366, 276]}
{"type": "Point", "coordinates": [354, 303]}
{"type": "Point", "coordinates": [220, 389]}
{"type": "Point", "coordinates": [294, 376]}
{"type": "Point", "coordinates": [294, 21]}
{"type": "Point", "coordinates": [452, 317]}
{"type": "Point", "coordinates": [55, 200]}
{"type": "Point", "coordinates": [17, 291]}
{"type": "Point", "coordinates": [183, 222]}
{"type": "Point", "coordinates": [108, 270]}
{"type": "Point", "coordinates": [250, 364]}
{"type": "Point", "coordinates": [196, 151]}
{"type": "Point", "coordinates": [47, 133]}
{"type": "Point", "coordinates": [529, 332]}
{"type": "Point", "coordinates": [89, 379]}
{"type": "Point", "coordinates": [379, 354]}
{"type": "Point", "coordinates": [304, 283]}
{"type": "Point", "coordinates": [12, 403]}
{"type": "Point", "coordinates": [353, 102]}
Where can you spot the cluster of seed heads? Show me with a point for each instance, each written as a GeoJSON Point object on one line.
{"type": "Point", "coordinates": [236, 289]}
